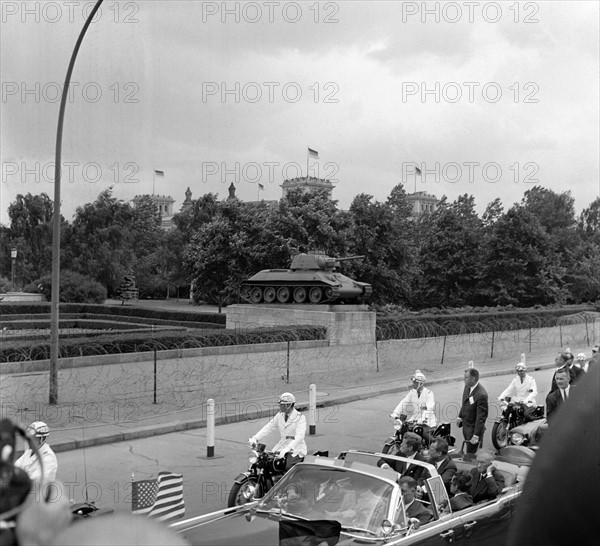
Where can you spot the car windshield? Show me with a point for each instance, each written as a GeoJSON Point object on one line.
{"type": "Point", "coordinates": [358, 501]}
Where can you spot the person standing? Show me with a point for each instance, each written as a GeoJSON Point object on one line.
{"type": "Point", "coordinates": [473, 411]}
{"type": "Point", "coordinates": [561, 394]}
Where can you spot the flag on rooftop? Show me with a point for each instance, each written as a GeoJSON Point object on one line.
{"type": "Point", "coordinates": [160, 174]}
{"type": "Point", "coordinates": [160, 498]}
{"type": "Point", "coordinates": [313, 153]}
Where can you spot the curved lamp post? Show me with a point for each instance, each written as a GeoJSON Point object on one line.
{"type": "Point", "coordinates": [53, 388]}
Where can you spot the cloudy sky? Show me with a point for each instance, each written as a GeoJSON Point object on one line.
{"type": "Point", "coordinates": [487, 98]}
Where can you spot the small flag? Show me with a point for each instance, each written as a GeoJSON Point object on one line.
{"type": "Point", "coordinates": [313, 153]}
{"type": "Point", "coordinates": [160, 174]}
{"type": "Point", "coordinates": [417, 170]}
{"type": "Point", "coordinates": [160, 498]}
{"type": "Point", "coordinates": [261, 187]}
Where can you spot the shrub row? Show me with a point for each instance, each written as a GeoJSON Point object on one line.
{"type": "Point", "coordinates": [135, 342]}
{"type": "Point", "coordinates": [112, 310]}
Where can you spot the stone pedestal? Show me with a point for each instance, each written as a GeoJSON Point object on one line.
{"type": "Point", "coordinates": [346, 324]}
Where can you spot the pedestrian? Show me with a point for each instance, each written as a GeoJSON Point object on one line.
{"type": "Point", "coordinates": [473, 411]}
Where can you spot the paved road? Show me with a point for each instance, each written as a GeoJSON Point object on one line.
{"type": "Point", "coordinates": [363, 424]}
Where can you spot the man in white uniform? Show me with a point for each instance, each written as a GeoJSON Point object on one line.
{"type": "Point", "coordinates": [418, 405]}
{"type": "Point", "coordinates": [29, 461]}
{"type": "Point", "coordinates": [522, 388]}
{"type": "Point", "coordinates": [292, 429]}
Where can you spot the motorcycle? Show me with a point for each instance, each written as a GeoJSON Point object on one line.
{"type": "Point", "coordinates": [393, 443]}
{"type": "Point", "coordinates": [513, 415]}
{"type": "Point", "coordinates": [265, 470]}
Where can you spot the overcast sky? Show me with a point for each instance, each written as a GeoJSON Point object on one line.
{"type": "Point", "coordinates": [486, 98]}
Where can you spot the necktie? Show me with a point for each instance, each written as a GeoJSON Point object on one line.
{"type": "Point", "coordinates": [564, 394]}
{"type": "Point", "coordinates": [285, 418]}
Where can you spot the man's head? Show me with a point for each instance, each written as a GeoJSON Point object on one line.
{"type": "Point", "coordinates": [286, 402]}
{"type": "Point", "coordinates": [484, 460]}
{"type": "Point", "coordinates": [460, 482]}
{"type": "Point", "coordinates": [418, 380]}
{"type": "Point", "coordinates": [471, 377]}
{"type": "Point", "coordinates": [411, 443]}
{"type": "Point", "coordinates": [521, 369]}
{"type": "Point", "coordinates": [581, 359]}
{"type": "Point", "coordinates": [438, 450]}
{"type": "Point", "coordinates": [408, 487]}
{"type": "Point", "coordinates": [562, 378]}
{"type": "Point", "coordinates": [39, 430]}
{"type": "Point", "coordinates": [564, 359]}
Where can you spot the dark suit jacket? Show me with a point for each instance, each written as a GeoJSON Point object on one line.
{"type": "Point", "coordinates": [461, 501]}
{"type": "Point", "coordinates": [554, 400]}
{"type": "Point", "coordinates": [417, 510]}
{"type": "Point", "coordinates": [414, 471]}
{"type": "Point", "coordinates": [446, 470]}
{"type": "Point", "coordinates": [485, 488]}
{"type": "Point", "coordinates": [474, 415]}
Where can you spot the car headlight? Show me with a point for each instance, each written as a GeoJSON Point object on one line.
{"type": "Point", "coordinates": [253, 457]}
{"type": "Point", "coordinates": [517, 438]}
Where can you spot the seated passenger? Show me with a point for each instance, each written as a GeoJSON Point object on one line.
{"type": "Point", "coordinates": [486, 481]}
{"type": "Point", "coordinates": [438, 456]}
{"type": "Point", "coordinates": [460, 486]}
{"type": "Point", "coordinates": [416, 512]}
{"type": "Point", "coordinates": [410, 447]}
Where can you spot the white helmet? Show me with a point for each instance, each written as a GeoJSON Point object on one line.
{"type": "Point", "coordinates": [419, 377]}
{"type": "Point", "coordinates": [581, 356]}
{"type": "Point", "coordinates": [520, 367]}
{"type": "Point", "coordinates": [287, 398]}
{"type": "Point", "coordinates": [39, 429]}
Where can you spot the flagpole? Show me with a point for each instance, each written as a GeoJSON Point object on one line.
{"type": "Point", "coordinates": [307, 160]}
{"type": "Point", "coordinates": [153, 179]}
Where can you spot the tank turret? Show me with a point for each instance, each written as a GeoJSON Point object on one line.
{"type": "Point", "coordinates": [312, 278]}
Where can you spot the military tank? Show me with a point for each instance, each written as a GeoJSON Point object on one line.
{"type": "Point", "coordinates": [311, 278]}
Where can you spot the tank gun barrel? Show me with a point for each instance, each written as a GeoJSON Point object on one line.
{"type": "Point", "coordinates": [347, 258]}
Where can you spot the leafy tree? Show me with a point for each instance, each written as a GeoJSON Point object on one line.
{"type": "Point", "coordinates": [521, 265]}
{"type": "Point", "coordinates": [450, 255]}
{"type": "Point", "coordinates": [493, 211]}
{"type": "Point", "coordinates": [31, 233]}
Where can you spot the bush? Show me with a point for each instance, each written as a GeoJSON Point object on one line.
{"type": "Point", "coordinates": [5, 285]}
{"type": "Point", "coordinates": [74, 288]}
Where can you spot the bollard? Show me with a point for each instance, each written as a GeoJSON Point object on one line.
{"type": "Point", "coordinates": [312, 409]}
{"type": "Point", "coordinates": [471, 364]}
{"type": "Point", "coordinates": [210, 428]}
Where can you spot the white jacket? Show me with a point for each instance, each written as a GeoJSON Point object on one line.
{"type": "Point", "coordinates": [30, 464]}
{"type": "Point", "coordinates": [419, 409]}
{"type": "Point", "coordinates": [292, 433]}
{"type": "Point", "coordinates": [524, 391]}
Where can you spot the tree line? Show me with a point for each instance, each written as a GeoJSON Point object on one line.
{"type": "Point", "coordinates": [537, 252]}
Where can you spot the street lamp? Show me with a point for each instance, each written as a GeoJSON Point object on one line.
{"type": "Point", "coordinates": [13, 255]}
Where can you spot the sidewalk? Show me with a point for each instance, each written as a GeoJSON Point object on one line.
{"type": "Point", "coordinates": [151, 421]}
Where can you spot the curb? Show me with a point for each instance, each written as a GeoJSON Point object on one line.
{"type": "Point", "coordinates": [190, 424]}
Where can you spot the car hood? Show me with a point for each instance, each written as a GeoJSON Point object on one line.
{"type": "Point", "coordinates": [235, 529]}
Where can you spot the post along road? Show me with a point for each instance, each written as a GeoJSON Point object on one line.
{"type": "Point", "coordinates": [364, 424]}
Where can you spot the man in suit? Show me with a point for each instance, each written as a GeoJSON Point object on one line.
{"type": "Point", "coordinates": [410, 447]}
{"type": "Point", "coordinates": [556, 397]}
{"type": "Point", "coordinates": [438, 456]}
{"type": "Point", "coordinates": [486, 481]}
{"type": "Point", "coordinates": [416, 512]}
{"type": "Point", "coordinates": [474, 410]}
{"type": "Point", "coordinates": [566, 360]}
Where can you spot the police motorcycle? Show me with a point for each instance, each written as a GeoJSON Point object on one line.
{"type": "Point", "coordinates": [429, 434]}
{"type": "Point", "coordinates": [513, 414]}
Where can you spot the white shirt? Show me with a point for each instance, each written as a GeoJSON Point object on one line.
{"type": "Point", "coordinates": [519, 391]}
{"type": "Point", "coordinates": [419, 409]}
{"type": "Point", "coordinates": [30, 464]}
{"type": "Point", "coordinates": [292, 433]}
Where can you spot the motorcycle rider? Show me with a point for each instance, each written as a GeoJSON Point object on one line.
{"type": "Point", "coordinates": [418, 405]}
{"type": "Point", "coordinates": [29, 461]}
{"type": "Point", "coordinates": [292, 429]}
{"type": "Point", "coordinates": [522, 389]}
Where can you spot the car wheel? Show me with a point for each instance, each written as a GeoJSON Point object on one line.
{"type": "Point", "coordinates": [242, 493]}
{"type": "Point", "coordinates": [500, 434]}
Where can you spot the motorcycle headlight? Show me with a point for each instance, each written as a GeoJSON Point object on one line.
{"type": "Point", "coordinates": [517, 438]}
{"type": "Point", "coordinates": [253, 457]}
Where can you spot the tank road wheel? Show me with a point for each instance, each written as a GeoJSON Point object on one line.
{"type": "Point", "coordinates": [315, 294]}
{"type": "Point", "coordinates": [245, 292]}
{"type": "Point", "coordinates": [300, 294]}
{"type": "Point", "coordinates": [256, 295]}
{"type": "Point", "coordinates": [328, 293]}
{"type": "Point", "coordinates": [270, 294]}
{"type": "Point", "coordinates": [283, 294]}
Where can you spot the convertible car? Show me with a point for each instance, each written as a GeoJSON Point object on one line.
{"type": "Point", "coordinates": [349, 500]}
